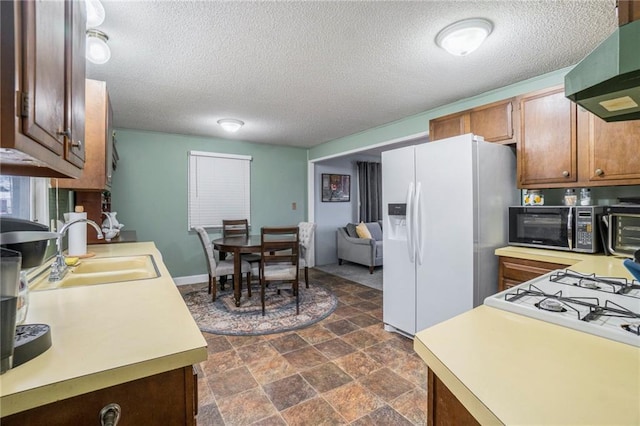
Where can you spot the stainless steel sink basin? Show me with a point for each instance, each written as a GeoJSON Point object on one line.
{"type": "Point", "coordinates": [102, 270]}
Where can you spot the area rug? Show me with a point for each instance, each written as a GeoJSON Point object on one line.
{"type": "Point", "coordinates": [223, 317]}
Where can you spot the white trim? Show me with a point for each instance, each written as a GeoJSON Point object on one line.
{"type": "Point", "coordinates": [192, 279]}
{"type": "Point", "coordinates": [219, 155]}
{"type": "Point", "coordinates": [418, 135]}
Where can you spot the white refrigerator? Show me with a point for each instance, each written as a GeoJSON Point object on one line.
{"type": "Point", "coordinates": [444, 214]}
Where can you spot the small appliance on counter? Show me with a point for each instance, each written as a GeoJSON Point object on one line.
{"type": "Point", "coordinates": [622, 224]}
{"type": "Point", "coordinates": [568, 228]}
{"type": "Point", "coordinates": [26, 241]}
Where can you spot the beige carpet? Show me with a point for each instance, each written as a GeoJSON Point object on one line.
{"type": "Point", "coordinates": [355, 272]}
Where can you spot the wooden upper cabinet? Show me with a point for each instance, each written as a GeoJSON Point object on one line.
{"type": "Point", "coordinates": [448, 126]}
{"type": "Point", "coordinates": [98, 139]}
{"type": "Point", "coordinates": [43, 91]}
{"type": "Point", "coordinates": [628, 11]}
{"type": "Point", "coordinates": [608, 152]}
{"type": "Point", "coordinates": [42, 53]}
{"type": "Point", "coordinates": [547, 149]}
{"type": "Point", "coordinates": [75, 146]}
{"type": "Point", "coordinates": [494, 122]}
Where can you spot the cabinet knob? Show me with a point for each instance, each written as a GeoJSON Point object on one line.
{"type": "Point", "coordinates": [110, 414]}
{"type": "Point", "coordinates": [565, 173]}
{"type": "Point", "coordinates": [599, 172]}
{"type": "Point", "coordinates": [66, 132]}
{"type": "Point", "coordinates": [76, 144]}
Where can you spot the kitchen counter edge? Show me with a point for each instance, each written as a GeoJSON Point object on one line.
{"type": "Point", "coordinates": [65, 370]}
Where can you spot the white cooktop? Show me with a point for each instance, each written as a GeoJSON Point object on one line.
{"type": "Point", "coordinates": [607, 308]}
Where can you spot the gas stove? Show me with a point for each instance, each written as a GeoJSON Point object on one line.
{"type": "Point", "coordinates": [603, 306]}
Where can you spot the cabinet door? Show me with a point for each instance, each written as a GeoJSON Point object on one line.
{"type": "Point", "coordinates": [547, 145]}
{"type": "Point", "coordinates": [75, 146]}
{"type": "Point", "coordinates": [110, 137]}
{"type": "Point", "coordinates": [494, 122]}
{"type": "Point", "coordinates": [609, 152]}
{"type": "Point", "coordinates": [96, 139]}
{"type": "Point", "coordinates": [43, 98]}
{"type": "Point", "coordinates": [448, 126]}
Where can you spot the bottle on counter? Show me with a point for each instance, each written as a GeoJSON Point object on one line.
{"type": "Point", "coordinates": [585, 197]}
{"type": "Point", "coordinates": [570, 197]}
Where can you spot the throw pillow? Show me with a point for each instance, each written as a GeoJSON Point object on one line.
{"type": "Point", "coordinates": [351, 230]}
{"type": "Point", "coordinates": [363, 231]}
{"type": "Point", "coordinates": [375, 230]}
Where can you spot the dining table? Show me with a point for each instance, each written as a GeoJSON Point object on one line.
{"type": "Point", "coordinates": [238, 245]}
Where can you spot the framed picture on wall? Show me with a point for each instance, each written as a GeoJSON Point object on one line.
{"type": "Point", "coordinates": [336, 188]}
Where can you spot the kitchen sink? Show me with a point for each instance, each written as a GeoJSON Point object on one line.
{"type": "Point", "coordinates": [102, 270]}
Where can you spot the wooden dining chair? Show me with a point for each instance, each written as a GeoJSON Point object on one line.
{"type": "Point", "coordinates": [280, 260]}
{"type": "Point", "coordinates": [307, 230]}
{"type": "Point", "coordinates": [222, 268]}
{"type": "Point", "coordinates": [239, 228]}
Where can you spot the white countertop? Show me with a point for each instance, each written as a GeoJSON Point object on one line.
{"type": "Point", "coordinates": [506, 368]}
{"type": "Point", "coordinates": [103, 335]}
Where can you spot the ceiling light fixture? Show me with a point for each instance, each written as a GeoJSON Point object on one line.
{"type": "Point", "coordinates": [98, 51]}
{"type": "Point", "coordinates": [463, 37]}
{"type": "Point", "coordinates": [95, 13]}
{"type": "Point", "coordinates": [230, 124]}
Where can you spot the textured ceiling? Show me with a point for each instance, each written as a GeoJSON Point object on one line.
{"type": "Point", "coordinates": [302, 73]}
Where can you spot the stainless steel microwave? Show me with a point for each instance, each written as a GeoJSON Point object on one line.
{"type": "Point", "coordinates": [569, 228]}
{"type": "Point", "coordinates": [623, 229]}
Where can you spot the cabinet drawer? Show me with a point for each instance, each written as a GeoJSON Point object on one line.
{"type": "Point", "coordinates": [513, 271]}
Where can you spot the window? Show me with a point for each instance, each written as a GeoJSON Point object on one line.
{"type": "Point", "coordinates": [219, 188]}
{"type": "Point", "coordinates": [25, 198]}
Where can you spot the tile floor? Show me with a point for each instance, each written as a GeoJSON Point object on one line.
{"type": "Point", "coordinates": [344, 369]}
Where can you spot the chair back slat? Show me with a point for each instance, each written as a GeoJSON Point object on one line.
{"type": "Point", "coordinates": [280, 244]}
{"type": "Point", "coordinates": [235, 227]}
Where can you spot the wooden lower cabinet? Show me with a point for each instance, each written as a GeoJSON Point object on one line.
{"type": "Point", "coordinates": [513, 271]}
{"type": "Point", "coordinates": [168, 398]}
{"type": "Point", "coordinates": [443, 407]}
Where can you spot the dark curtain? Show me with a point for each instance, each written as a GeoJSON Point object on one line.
{"type": "Point", "coordinates": [370, 190]}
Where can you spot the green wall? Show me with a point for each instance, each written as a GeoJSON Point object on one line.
{"type": "Point", "coordinates": [150, 184]}
{"type": "Point", "coordinates": [420, 122]}
{"type": "Point", "coordinates": [149, 190]}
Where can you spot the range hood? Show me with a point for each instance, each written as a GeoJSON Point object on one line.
{"type": "Point", "coordinates": [607, 81]}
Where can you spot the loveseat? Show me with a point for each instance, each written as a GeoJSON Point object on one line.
{"type": "Point", "coordinates": [365, 251]}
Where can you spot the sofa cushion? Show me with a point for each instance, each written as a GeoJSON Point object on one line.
{"type": "Point", "coordinates": [375, 230]}
{"type": "Point", "coordinates": [351, 230]}
{"type": "Point", "coordinates": [363, 231]}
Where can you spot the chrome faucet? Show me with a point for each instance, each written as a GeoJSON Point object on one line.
{"type": "Point", "coordinates": [59, 267]}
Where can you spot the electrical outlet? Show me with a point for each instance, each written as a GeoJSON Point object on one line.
{"type": "Point", "coordinates": [294, 206]}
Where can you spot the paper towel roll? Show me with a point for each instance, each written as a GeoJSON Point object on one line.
{"type": "Point", "coordinates": [77, 235]}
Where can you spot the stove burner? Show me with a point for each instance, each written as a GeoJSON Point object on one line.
{"type": "Point", "coordinates": [589, 284]}
{"type": "Point", "coordinates": [550, 305]}
{"type": "Point", "coordinates": [594, 282]}
{"type": "Point", "coordinates": [632, 328]}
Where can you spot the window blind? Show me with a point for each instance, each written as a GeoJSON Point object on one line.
{"type": "Point", "coordinates": [219, 188]}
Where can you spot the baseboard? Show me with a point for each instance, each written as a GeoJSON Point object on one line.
{"type": "Point", "coordinates": [192, 279]}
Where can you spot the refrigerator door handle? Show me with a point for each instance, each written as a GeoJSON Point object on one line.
{"type": "Point", "coordinates": [417, 218]}
{"type": "Point", "coordinates": [410, 222]}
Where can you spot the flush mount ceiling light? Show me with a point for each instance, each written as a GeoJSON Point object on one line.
{"type": "Point", "coordinates": [230, 124]}
{"type": "Point", "coordinates": [98, 51]}
{"type": "Point", "coordinates": [463, 37]}
{"type": "Point", "coordinates": [95, 13]}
